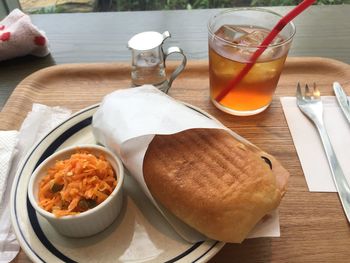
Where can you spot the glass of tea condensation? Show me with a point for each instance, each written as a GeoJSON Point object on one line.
{"type": "Point", "coordinates": [234, 35]}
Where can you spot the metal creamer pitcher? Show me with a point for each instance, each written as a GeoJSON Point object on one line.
{"type": "Point", "coordinates": [148, 60]}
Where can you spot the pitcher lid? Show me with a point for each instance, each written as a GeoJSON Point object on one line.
{"type": "Point", "coordinates": [146, 40]}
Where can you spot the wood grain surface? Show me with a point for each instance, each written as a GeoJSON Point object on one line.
{"type": "Point", "coordinates": [313, 226]}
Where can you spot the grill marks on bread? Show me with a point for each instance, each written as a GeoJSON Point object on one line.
{"type": "Point", "coordinates": [210, 181]}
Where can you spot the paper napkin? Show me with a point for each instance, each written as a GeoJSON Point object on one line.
{"type": "Point", "coordinates": [309, 146]}
{"type": "Point", "coordinates": [8, 141]}
{"type": "Point", "coordinates": [19, 37]}
{"type": "Point", "coordinates": [38, 122]}
{"type": "Point", "coordinates": [160, 114]}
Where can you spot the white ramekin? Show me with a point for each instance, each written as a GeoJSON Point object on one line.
{"type": "Point", "coordinates": [89, 222]}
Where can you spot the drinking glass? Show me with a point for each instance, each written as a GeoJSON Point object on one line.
{"type": "Point", "coordinates": [233, 36]}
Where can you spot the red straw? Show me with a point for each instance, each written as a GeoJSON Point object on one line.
{"type": "Point", "coordinates": [274, 32]}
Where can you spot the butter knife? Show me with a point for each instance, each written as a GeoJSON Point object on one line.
{"type": "Point", "coordinates": [342, 99]}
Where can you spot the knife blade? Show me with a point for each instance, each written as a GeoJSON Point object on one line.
{"type": "Point", "coordinates": [342, 99]}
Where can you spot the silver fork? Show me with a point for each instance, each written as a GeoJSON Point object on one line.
{"type": "Point", "coordinates": [310, 104]}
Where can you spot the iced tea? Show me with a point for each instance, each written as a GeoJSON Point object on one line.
{"type": "Point", "coordinates": [230, 49]}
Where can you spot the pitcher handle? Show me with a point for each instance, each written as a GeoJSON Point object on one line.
{"type": "Point", "coordinates": [179, 69]}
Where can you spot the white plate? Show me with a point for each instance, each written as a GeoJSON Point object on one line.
{"type": "Point", "coordinates": [140, 234]}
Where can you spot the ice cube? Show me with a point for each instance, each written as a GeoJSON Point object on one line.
{"type": "Point", "coordinates": [261, 73]}
{"type": "Point", "coordinates": [268, 54]}
{"type": "Point", "coordinates": [278, 39]}
{"type": "Point", "coordinates": [232, 33]}
{"type": "Point", "coordinates": [252, 39]}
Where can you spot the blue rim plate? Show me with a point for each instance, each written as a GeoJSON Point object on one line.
{"type": "Point", "coordinates": [140, 233]}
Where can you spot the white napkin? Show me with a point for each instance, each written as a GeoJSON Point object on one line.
{"type": "Point", "coordinates": [127, 121]}
{"type": "Point", "coordinates": [8, 141]}
{"type": "Point", "coordinates": [19, 37]}
{"type": "Point", "coordinates": [38, 122]}
{"type": "Point", "coordinates": [309, 146]}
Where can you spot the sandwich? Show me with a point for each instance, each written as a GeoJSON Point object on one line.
{"type": "Point", "coordinates": [213, 182]}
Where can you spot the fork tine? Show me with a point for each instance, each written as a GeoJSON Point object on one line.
{"type": "Point", "coordinates": [307, 90]}
{"type": "Point", "coordinates": [299, 94]}
{"type": "Point", "coordinates": [308, 93]}
{"type": "Point", "coordinates": [316, 92]}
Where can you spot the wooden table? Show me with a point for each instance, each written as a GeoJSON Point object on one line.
{"type": "Point", "coordinates": [313, 226]}
{"type": "Point", "coordinates": [322, 31]}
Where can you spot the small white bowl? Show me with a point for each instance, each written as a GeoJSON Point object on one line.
{"type": "Point", "coordinates": [91, 221]}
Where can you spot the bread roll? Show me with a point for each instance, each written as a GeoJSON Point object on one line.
{"type": "Point", "coordinates": [213, 182]}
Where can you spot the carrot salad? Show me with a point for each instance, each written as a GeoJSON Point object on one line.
{"type": "Point", "coordinates": [77, 184]}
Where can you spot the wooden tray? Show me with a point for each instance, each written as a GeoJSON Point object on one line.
{"type": "Point", "coordinates": [313, 226]}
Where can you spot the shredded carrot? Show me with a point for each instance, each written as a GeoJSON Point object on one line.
{"type": "Point", "coordinates": [77, 184]}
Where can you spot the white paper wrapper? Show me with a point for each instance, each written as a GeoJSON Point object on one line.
{"type": "Point", "coordinates": [126, 123]}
